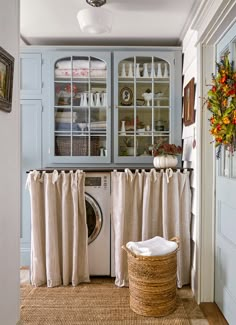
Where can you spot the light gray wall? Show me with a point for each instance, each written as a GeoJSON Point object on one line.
{"type": "Point", "coordinates": [190, 152]}
{"type": "Point", "coordinates": [10, 175]}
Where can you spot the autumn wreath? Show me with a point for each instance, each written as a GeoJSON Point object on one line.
{"type": "Point", "coordinates": [221, 101]}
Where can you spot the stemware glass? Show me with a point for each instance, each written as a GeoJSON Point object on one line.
{"type": "Point", "coordinates": [82, 126]}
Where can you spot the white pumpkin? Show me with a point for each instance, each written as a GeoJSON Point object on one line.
{"type": "Point", "coordinates": [165, 161]}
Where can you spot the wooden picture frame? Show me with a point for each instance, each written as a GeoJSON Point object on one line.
{"type": "Point", "coordinates": [189, 116]}
{"type": "Point", "coordinates": [126, 96]}
{"type": "Point", "coordinates": [6, 80]}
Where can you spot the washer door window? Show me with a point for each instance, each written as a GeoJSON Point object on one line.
{"type": "Point", "coordinates": [94, 217]}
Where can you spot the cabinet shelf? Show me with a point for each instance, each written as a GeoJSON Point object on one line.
{"type": "Point", "coordinates": [136, 134]}
{"type": "Point", "coordinates": [77, 108]}
{"type": "Point", "coordinates": [125, 107]}
{"type": "Point", "coordinates": [94, 108]}
{"type": "Point", "coordinates": [79, 133]}
{"type": "Point", "coordinates": [142, 107]}
{"type": "Point", "coordinates": [79, 80]}
{"type": "Point", "coordinates": [161, 81]}
{"type": "Point", "coordinates": [152, 106]}
{"type": "Point", "coordinates": [62, 132]}
{"type": "Point", "coordinates": [62, 106]}
{"type": "Point", "coordinates": [142, 79]}
{"type": "Point", "coordinates": [126, 81]}
{"type": "Point", "coordinates": [144, 133]}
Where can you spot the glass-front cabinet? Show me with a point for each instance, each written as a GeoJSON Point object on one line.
{"type": "Point", "coordinates": [110, 107]}
{"type": "Point", "coordinates": [80, 107]}
{"type": "Point", "coordinates": [147, 104]}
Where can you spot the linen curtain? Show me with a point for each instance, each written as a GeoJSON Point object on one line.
{"type": "Point", "coordinates": [148, 204]}
{"type": "Point", "coordinates": [59, 235]}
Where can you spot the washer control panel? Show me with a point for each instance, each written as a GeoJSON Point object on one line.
{"type": "Point", "coordinates": [97, 181]}
{"type": "Point", "coordinates": [93, 181]}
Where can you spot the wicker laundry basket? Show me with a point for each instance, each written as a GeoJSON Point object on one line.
{"type": "Point", "coordinates": [152, 283]}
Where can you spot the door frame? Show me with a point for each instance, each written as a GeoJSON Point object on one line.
{"type": "Point", "coordinates": [212, 21]}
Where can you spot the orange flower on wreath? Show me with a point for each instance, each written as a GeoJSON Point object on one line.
{"type": "Point", "coordinates": [226, 120]}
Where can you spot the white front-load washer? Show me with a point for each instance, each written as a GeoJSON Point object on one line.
{"type": "Point", "coordinates": [97, 197]}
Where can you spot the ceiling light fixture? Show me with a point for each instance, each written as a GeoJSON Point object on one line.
{"type": "Point", "coordinates": [95, 20]}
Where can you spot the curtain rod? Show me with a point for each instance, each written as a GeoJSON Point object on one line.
{"type": "Point", "coordinates": [67, 170]}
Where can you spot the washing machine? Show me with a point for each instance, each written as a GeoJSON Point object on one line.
{"type": "Point", "coordinates": [97, 196]}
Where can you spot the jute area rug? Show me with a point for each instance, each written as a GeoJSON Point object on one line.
{"type": "Point", "coordinates": [100, 303]}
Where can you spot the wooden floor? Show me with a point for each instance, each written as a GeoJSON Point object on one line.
{"type": "Point", "coordinates": [213, 314]}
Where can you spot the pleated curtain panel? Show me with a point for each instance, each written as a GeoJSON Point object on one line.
{"type": "Point", "coordinates": [148, 204]}
{"type": "Point", "coordinates": [59, 235]}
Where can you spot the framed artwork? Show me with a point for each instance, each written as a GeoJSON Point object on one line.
{"type": "Point", "coordinates": [6, 80]}
{"type": "Point", "coordinates": [189, 116]}
{"type": "Point", "coordinates": [126, 96]}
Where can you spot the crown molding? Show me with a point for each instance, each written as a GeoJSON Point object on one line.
{"type": "Point", "coordinates": [213, 14]}
{"type": "Point", "coordinates": [222, 22]}
{"type": "Point", "coordinates": [204, 13]}
{"type": "Point", "coordinates": [189, 20]}
{"type": "Point", "coordinates": [23, 41]}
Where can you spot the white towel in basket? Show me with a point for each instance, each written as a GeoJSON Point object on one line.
{"type": "Point", "coordinates": [155, 246]}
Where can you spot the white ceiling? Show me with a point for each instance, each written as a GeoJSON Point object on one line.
{"type": "Point", "coordinates": [135, 22]}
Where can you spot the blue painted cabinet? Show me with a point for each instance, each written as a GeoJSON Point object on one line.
{"type": "Point", "coordinates": [31, 136]}
{"type": "Point", "coordinates": [31, 158]}
{"type": "Point", "coordinates": [30, 75]}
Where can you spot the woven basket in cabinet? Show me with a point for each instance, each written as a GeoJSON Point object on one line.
{"type": "Point", "coordinates": [152, 283]}
{"type": "Point", "coordinates": [79, 148]}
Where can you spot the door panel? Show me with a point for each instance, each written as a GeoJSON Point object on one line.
{"type": "Point", "coordinates": [225, 289]}
{"type": "Point", "coordinates": [225, 265]}
{"type": "Point", "coordinates": [226, 222]}
{"type": "Point", "coordinates": [225, 249]}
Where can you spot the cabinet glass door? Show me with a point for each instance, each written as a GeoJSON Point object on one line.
{"type": "Point", "coordinates": [143, 106]}
{"type": "Point", "coordinates": [81, 108]}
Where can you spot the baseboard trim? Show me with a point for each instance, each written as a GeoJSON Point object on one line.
{"type": "Point", "coordinates": [25, 257]}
